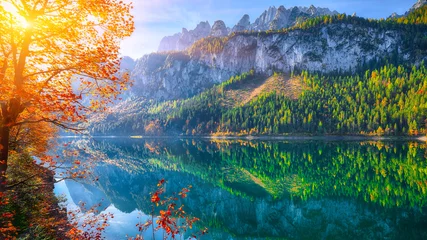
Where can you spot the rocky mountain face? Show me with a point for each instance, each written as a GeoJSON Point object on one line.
{"type": "Point", "coordinates": [183, 40]}
{"type": "Point", "coordinates": [243, 24]}
{"type": "Point", "coordinates": [334, 47]}
{"type": "Point", "coordinates": [418, 4]}
{"type": "Point", "coordinates": [329, 48]}
{"type": "Point", "coordinates": [173, 75]}
{"type": "Point", "coordinates": [219, 29]}
{"type": "Point", "coordinates": [271, 19]}
{"type": "Point", "coordinates": [278, 18]}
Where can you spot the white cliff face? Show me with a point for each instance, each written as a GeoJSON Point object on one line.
{"type": "Point", "coordinates": [339, 47]}
{"type": "Point", "coordinates": [336, 47]}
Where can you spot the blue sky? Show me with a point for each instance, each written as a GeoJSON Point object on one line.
{"type": "Point", "coordinates": [155, 19]}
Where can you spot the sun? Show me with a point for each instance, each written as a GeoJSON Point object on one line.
{"type": "Point", "coordinates": [18, 19]}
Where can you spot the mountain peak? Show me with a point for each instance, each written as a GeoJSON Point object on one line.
{"type": "Point", "coordinates": [243, 24]}
{"type": "Point", "coordinates": [185, 39]}
{"type": "Point", "coordinates": [219, 29]}
{"type": "Point", "coordinates": [418, 4]}
{"type": "Point", "coordinates": [271, 19]}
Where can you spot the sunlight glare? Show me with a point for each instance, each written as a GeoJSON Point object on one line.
{"type": "Point", "coordinates": [8, 7]}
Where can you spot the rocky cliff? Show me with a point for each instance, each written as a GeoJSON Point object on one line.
{"type": "Point", "coordinates": [326, 48]}
{"type": "Point", "coordinates": [219, 29]}
{"type": "Point", "coordinates": [418, 4]}
{"type": "Point", "coordinates": [278, 18]}
{"type": "Point", "coordinates": [271, 19]}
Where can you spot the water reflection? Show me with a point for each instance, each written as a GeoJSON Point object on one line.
{"type": "Point", "coordinates": [269, 189]}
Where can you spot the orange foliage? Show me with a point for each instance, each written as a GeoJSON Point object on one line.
{"type": "Point", "coordinates": [153, 128]}
{"type": "Point", "coordinates": [168, 219]}
{"type": "Point", "coordinates": [34, 138]}
{"type": "Point", "coordinates": [64, 41]}
{"type": "Point", "coordinates": [55, 53]}
{"type": "Point", "coordinates": [88, 224]}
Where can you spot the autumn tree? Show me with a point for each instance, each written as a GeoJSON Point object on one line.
{"type": "Point", "coordinates": [54, 54]}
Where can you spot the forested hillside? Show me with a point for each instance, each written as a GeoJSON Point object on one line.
{"type": "Point", "coordinates": [391, 100]}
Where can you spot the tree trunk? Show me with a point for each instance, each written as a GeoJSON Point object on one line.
{"type": "Point", "coordinates": [4, 154]}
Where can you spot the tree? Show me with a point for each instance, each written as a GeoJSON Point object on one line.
{"type": "Point", "coordinates": [52, 55]}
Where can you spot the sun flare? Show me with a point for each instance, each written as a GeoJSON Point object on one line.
{"type": "Point", "coordinates": [18, 19]}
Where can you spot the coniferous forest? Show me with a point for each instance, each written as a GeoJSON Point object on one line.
{"type": "Point", "coordinates": [390, 100]}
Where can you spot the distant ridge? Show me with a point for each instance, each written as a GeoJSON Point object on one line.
{"type": "Point", "coordinates": [271, 19]}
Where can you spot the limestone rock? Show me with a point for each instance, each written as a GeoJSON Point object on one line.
{"type": "Point", "coordinates": [418, 4]}
{"type": "Point", "coordinates": [243, 24]}
{"type": "Point", "coordinates": [281, 19]}
{"type": "Point", "coordinates": [276, 19]}
{"type": "Point", "coordinates": [219, 29]}
{"type": "Point", "coordinates": [335, 47]}
{"type": "Point", "coordinates": [263, 22]}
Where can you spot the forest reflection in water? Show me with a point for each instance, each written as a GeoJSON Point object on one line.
{"type": "Point", "coordinates": [268, 189]}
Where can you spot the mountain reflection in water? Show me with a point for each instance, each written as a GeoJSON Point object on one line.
{"type": "Point", "coordinates": [264, 189]}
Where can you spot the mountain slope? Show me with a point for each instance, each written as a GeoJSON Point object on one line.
{"type": "Point", "coordinates": [279, 84]}
{"type": "Point", "coordinates": [387, 101]}
{"type": "Point", "coordinates": [328, 44]}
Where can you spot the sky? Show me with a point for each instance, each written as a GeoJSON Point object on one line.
{"type": "Point", "coordinates": [155, 19]}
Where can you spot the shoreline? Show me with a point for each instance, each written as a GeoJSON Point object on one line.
{"type": "Point", "coordinates": [270, 137]}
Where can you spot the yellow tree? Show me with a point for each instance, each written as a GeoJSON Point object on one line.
{"type": "Point", "coordinates": [53, 53]}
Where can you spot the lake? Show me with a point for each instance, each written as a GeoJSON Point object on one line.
{"type": "Point", "coordinates": [281, 189]}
